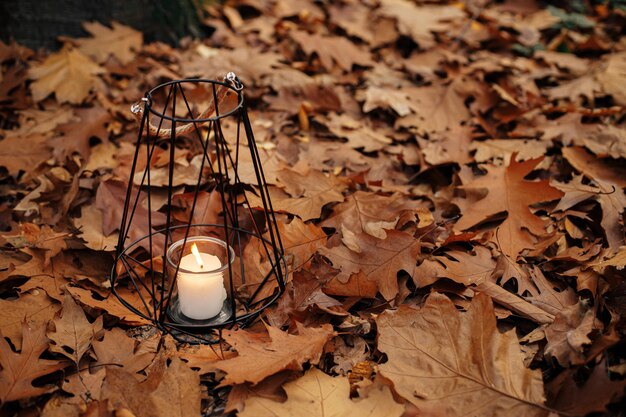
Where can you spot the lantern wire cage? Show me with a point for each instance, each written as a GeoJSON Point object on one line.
{"type": "Point", "coordinates": [196, 177]}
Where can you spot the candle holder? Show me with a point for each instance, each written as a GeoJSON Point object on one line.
{"type": "Point", "coordinates": [199, 247]}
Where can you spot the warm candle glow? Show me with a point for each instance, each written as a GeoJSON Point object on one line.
{"type": "Point", "coordinates": [196, 253]}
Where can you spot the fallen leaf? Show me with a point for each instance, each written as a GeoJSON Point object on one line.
{"type": "Point", "coordinates": [371, 213]}
{"type": "Point", "coordinates": [611, 196]}
{"type": "Point", "coordinates": [120, 41]}
{"type": "Point", "coordinates": [90, 225]}
{"type": "Point", "coordinates": [437, 108]}
{"type": "Point", "coordinates": [257, 360]}
{"type": "Point", "coordinates": [317, 394]}
{"type": "Point", "coordinates": [569, 396]}
{"type": "Point", "coordinates": [301, 241]}
{"type": "Point", "coordinates": [379, 260]}
{"type": "Point", "coordinates": [16, 157]}
{"type": "Point", "coordinates": [117, 348]}
{"type": "Point", "coordinates": [34, 308]}
{"type": "Point", "coordinates": [509, 192]}
{"type": "Point", "coordinates": [428, 351]}
{"type": "Point", "coordinates": [73, 334]}
{"type": "Point", "coordinates": [569, 334]}
{"type": "Point", "coordinates": [174, 393]}
{"type": "Point", "coordinates": [431, 19]}
{"type": "Point", "coordinates": [19, 370]}
{"type": "Point", "coordinates": [67, 73]}
{"type": "Point", "coordinates": [332, 50]}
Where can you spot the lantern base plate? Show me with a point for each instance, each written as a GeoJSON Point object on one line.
{"type": "Point", "coordinates": [176, 315]}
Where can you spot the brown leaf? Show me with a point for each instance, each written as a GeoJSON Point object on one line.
{"type": "Point", "coordinates": [116, 348]}
{"type": "Point", "coordinates": [309, 193]}
{"type": "Point", "coordinates": [111, 304]}
{"type": "Point", "coordinates": [568, 335]}
{"type": "Point", "coordinates": [610, 179]}
{"type": "Point", "coordinates": [448, 363]}
{"type": "Point", "coordinates": [77, 136]}
{"type": "Point", "coordinates": [110, 200]}
{"type": "Point", "coordinates": [332, 50]}
{"type": "Point", "coordinates": [477, 270]}
{"type": "Point", "coordinates": [301, 241]}
{"type": "Point", "coordinates": [509, 192]}
{"type": "Point", "coordinates": [73, 334]}
{"type": "Point", "coordinates": [85, 386]}
{"type": "Point", "coordinates": [568, 396]}
{"type": "Point", "coordinates": [431, 19]}
{"type": "Point", "coordinates": [437, 108]}
{"type": "Point", "coordinates": [120, 41]}
{"type": "Point", "coordinates": [317, 394]}
{"type": "Point", "coordinates": [371, 213]}
{"type": "Point", "coordinates": [67, 73]}
{"type": "Point", "coordinates": [612, 77]}
{"type": "Point", "coordinates": [379, 260]}
{"type": "Point", "coordinates": [20, 369]}
{"type": "Point", "coordinates": [90, 225]}
{"type": "Point", "coordinates": [16, 157]}
{"type": "Point", "coordinates": [34, 308]}
{"type": "Point", "coordinates": [260, 359]}
{"type": "Point", "coordinates": [178, 395]}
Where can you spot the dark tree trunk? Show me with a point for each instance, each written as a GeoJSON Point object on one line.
{"type": "Point", "coordinates": [38, 23]}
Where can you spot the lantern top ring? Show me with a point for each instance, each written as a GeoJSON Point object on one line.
{"type": "Point", "coordinates": [235, 87]}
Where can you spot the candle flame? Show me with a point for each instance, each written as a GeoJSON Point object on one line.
{"type": "Point", "coordinates": [196, 253]}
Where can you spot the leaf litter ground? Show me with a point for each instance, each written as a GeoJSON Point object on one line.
{"type": "Point", "coordinates": [450, 183]}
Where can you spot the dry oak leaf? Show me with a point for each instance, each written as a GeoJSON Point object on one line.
{"type": "Point", "coordinates": [569, 334]}
{"type": "Point", "coordinates": [90, 226]}
{"type": "Point", "coordinates": [379, 261]}
{"type": "Point", "coordinates": [20, 369]}
{"type": "Point", "coordinates": [40, 237]}
{"type": "Point", "coordinates": [453, 364]}
{"type": "Point", "coordinates": [419, 22]}
{"type": "Point", "coordinates": [317, 394]}
{"type": "Point", "coordinates": [76, 136]}
{"type": "Point", "coordinates": [117, 348]}
{"type": "Point", "coordinates": [120, 41]}
{"type": "Point", "coordinates": [309, 193]}
{"type": "Point", "coordinates": [34, 308]}
{"type": "Point", "coordinates": [67, 73]}
{"type": "Point", "coordinates": [477, 270]}
{"type": "Point", "coordinates": [170, 392]}
{"type": "Point", "coordinates": [110, 201]}
{"type": "Point", "coordinates": [372, 213]}
{"type": "Point", "coordinates": [610, 177]}
{"type": "Point", "coordinates": [503, 149]}
{"type": "Point", "coordinates": [449, 147]}
{"type": "Point", "coordinates": [333, 49]}
{"type": "Point", "coordinates": [568, 395]}
{"type": "Point", "coordinates": [437, 108]}
{"type": "Point", "coordinates": [509, 192]}
{"type": "Point", "coordinates": [21, 153]}
{"type": "Point", "coordinates": [301, 241]}
{"type": "Point", "coordinates": [387, 98]}
{"type": "Point", "coordinates": [358, 133]}
{"type": "Point", "coordinates": [613, 76]}
{"type": "Point", "coordinates": [73, 334]}
{"type": "Point", "coordinates": [111, 304]}
{"type": "Point", "coordinates": [260, 359]}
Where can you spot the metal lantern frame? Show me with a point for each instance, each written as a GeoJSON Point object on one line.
{"type": "Point", "coordinates": [148, 289]}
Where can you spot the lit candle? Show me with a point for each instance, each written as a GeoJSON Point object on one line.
{"type": "Point", "coordinates": [201, 291]}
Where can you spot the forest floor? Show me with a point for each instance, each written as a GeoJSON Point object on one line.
{"type": "Point", "coordinates": [449, 184]}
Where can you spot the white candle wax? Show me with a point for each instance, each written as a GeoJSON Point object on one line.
{"type": "Point", "coordinates": [201, 295]}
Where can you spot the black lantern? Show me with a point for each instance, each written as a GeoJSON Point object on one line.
{"type": "Point", "coordinates": [199, 247]}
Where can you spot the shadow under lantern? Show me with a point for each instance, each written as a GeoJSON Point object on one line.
{"type": "Point", "coordinates": [199, 247]}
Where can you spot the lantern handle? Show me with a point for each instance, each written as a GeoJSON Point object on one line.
{"type": "Point", "coordinates": [221, 90]}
